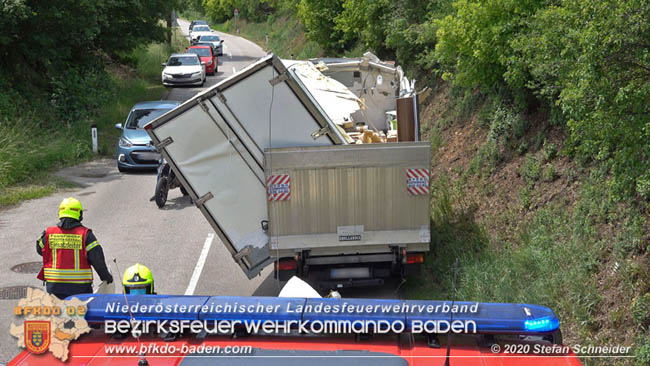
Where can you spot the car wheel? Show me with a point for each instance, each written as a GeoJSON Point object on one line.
{"type": "Point", "coordinates": [162, 189]}
{"type": "Point", "coordinates": [203, 82]}
{"type": "Point", "coordinates": [120, 169]}
{"type": "Point", "coordinates": [184, 191]}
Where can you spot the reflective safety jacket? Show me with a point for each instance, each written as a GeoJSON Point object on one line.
{"type": "Point", "coordinates": [64, 255]}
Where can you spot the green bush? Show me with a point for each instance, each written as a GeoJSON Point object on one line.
{"type": "Point", "coordinates": [597, 73]}
{"type": "Point", "coordinates": [77, 92]}
{"type": "Point", "coordinates": [549, 174]}
{"type": "Point", "coordinates": [522, 148]}
{"type": "Point", "coordinates": [531, 170]}
{"type": "Point", "coordinates": [486, 159]}
{"type": "Point", "coordinates": [642, 352]}
{"type": "Point", "coordinates": [549, 150]}
{"type": "Point", "coordinates": [39, 138]}
{"type": "Point", "coordinates": [641, 311]}
{"type": "Point", "coordinates": [506, 125]}
{"type": "Point", "coordinates": [525, 197]}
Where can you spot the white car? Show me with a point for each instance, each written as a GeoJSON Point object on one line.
{"type": "Point", "coordinates": [183, 69]}
{"type": "Point", "coordinates": [198, 31]}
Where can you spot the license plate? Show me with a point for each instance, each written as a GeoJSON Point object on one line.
{"type": "Point", "coordinates": [147, 155]}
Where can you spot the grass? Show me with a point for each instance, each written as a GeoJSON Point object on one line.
{"type": "Point", "coordinates": [148, 59]}
{"type": "Point", "coordinates": [32, 146]}
{"type": "Point", "coordinates": [31, 190]}
{"type": "Point", "coordinates": [557, 259]}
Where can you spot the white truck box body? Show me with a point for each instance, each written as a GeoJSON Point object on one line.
{"type": "Point", "coordinates": [216, 141]}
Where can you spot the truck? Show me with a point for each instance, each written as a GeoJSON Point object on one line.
{"type": "Point", "coordinates": [268, 158]}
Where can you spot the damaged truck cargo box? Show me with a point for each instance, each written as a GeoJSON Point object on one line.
{"type": "Point", "coordinates": [224, 143]}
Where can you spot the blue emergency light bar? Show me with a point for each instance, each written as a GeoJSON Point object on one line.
{"type": "Point", "coordinates": [488, 318]}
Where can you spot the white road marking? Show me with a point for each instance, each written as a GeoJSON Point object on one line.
{"type": "Point", "coordinates": [199, 265]}
{"type": "Point", "coordinates": [233, 70]}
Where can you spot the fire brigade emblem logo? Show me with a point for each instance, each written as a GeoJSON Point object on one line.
{"type": "Point", "coordinates": [37, 336]}
{"type": "Point", "coordinates": [48, 323]}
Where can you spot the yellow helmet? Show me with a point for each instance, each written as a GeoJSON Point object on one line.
{"type": "Point", "coordinates": [70, 207]}
{"type": "Point", "coordinates": [137, 279]}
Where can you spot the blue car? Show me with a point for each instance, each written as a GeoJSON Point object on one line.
{"type": "Point", "coordinates": [134, 149]}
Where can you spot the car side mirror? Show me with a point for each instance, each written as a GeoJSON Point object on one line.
{"type": "Point", "coordinates": [118, 126]}
{"type": "Point", "coordinates": [164, 64]}
{"type": "Point", "coordinates": [221, 41]}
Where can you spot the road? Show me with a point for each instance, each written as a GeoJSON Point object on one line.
{"type": "Point", "coordinates": [131, 228]}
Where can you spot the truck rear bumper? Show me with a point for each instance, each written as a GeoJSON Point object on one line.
{"type": "Point", "coordinates": [335, 272]}
{"type": "Point", "coordinates": [366, 282]}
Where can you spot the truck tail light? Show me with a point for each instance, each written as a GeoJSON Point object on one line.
{"type": "Point", "coordinates": [412, 258]}
{"type": "Point", "coordinates": [286, 264]}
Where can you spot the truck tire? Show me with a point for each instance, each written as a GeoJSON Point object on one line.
{"type": "Point", "coordinates": [162, 189]}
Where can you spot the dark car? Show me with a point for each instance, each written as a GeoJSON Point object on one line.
{"type": "Point", "coordinates": [197, 22]}
{"type": "Point", "coordinates": [134, 149]}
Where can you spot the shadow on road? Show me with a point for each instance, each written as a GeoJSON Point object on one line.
{"type": "Point", "coordinates": [178, 203]}
{"type": "Point", "coordinates": [140, 172]}
{"type": "Point", "coordinates": [269, 287]}
{"type": "Point", "coordinates": [89, 173]}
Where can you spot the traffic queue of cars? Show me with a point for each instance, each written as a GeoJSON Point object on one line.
{"type": "Point", "coordinates": [199, 60]}
{"type": "Point", "coordinates": [134, 148]}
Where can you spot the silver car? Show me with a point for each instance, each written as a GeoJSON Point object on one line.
{"type": "Point", "coordinates": [183, 69]}
{"type": "Point", "coordinates": [214, 41]}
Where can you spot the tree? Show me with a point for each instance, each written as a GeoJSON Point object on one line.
{"type": "Point", "coordinates": [319, 16]}
{"type": "Point", "coordinates": [598, 72]}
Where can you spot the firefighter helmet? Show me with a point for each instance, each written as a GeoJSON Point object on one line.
{"type": "Point", "coordinates": [70, 207]}
{"type": "Point", "coordinates": [138, 279]}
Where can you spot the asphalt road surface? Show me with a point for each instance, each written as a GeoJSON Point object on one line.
{"type": "Point", "coordinates": [176, 242]}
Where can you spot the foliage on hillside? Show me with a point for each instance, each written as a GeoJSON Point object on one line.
{"type": "Point", "coordinates": [538, 117]}
{"type": "Point", "coordinates": [595, 77]}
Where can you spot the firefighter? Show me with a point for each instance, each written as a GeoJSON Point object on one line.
{"type": "Point", "coordinates": [69, 250]}
{"type": "Point", "coordinates": [138, 279]}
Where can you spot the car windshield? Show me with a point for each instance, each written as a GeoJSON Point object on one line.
{"type": "Point", "coordinates": [204, 52]}
{"type": "Point", "coordinates": [183, 61]}
{"type": "Point", "coordinates": [209, 38]}
{"type": "Point", "coordinates": [201, 28]}
{"type": "Point", "coordinates": [140, 117]}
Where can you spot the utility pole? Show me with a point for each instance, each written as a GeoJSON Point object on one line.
{"type": "Point", "coordinates": [170, 30]}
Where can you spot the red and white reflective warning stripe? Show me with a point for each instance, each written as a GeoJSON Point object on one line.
{"type": "Point", "coordinates": [417, 181]}
{"type": "Point", "coordinates": [279, 187]}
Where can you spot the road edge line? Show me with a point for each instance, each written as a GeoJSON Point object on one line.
{"type": "Point", "coordinates": [199, 265]}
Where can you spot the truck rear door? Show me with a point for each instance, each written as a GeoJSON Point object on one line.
{"type": "Point", "coordinates": [215, 144]}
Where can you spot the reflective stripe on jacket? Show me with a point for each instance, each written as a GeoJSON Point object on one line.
{"type": "Point", "coordinates": [64, 255]}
